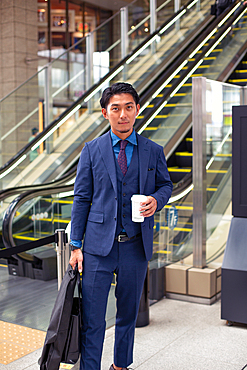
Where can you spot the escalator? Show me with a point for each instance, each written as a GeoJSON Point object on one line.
{"type": "Point", "coordinates": [168, 123]}
{"type": "Point", "coordinates": [61, 142]}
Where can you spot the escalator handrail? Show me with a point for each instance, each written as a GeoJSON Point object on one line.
{"type": "Point", "coordinates": [8, 192]}
{"type": "Point", "coordinates": [18, 156]}
{"type": "Point", "coordinates": [9, 214]}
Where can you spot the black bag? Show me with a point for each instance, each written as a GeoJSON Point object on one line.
{"type": "Point", "coordinates": [60, 337]}
{"type": "Point", "coordinates": [213, 9]}
{"type": "Point", "coordinates": [223, 4]}
{"type": "Point", "coordinates": [73, 344]}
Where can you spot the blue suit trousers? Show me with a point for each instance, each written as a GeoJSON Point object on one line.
{"type": "Point", "coordinates": [127, 260]}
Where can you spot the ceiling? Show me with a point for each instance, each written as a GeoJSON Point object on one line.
{"type": "Point", "coordinates": [109, 4]}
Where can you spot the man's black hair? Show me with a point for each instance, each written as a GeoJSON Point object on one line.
{"type": "Point", "coordinates": [34, 130]}
{"type": "Point", "coordinates": [116, 89]}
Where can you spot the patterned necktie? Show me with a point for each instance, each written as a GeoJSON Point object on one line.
{"type": "Point", "coordinates": [122, 159]}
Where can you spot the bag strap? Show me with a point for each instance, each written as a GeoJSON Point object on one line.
{"type": "Point", "coordinates": [79, 285]}
{"type": "Point", "coordinates": [78, 281]}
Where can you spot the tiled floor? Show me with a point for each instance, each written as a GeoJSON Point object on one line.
{"type": "Point", "coordinates": [180, 335]}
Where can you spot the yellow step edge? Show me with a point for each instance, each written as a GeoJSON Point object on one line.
{"type": "Point", "coordinates": [224, 155]}
{"type": "Point", "coordinates": [61, 221]}
{"type": "Point", "coordinates": [185, 208]}
{"type": "Point", "coordinates": [16, 236]}
{"type": "Point", "coordinates": [216, 171]}
{"type": "Point", "coordinates": [240, 71]}
{"type": "Point", "coordinates": [179, 170]}
{"type": "Point", "coordinates": [164, 252]}
{"type": "Point", "coordinates": [240, 80]}
{"type": "Point", "coordinates": [177, 229]}
{"type": "Point", "coordinates": [184, 154]}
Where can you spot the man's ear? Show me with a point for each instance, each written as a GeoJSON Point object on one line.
{"type": "Point", "coordinates": [137, 109]}
{"type": "Point", "coordinates": [104, 112]}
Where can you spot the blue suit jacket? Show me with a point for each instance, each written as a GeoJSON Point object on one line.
{"type": "Point", "coordinates": [94, 210]}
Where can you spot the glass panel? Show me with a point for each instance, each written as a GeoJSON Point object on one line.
{"type": "Point", "coordinates": [19, 113]}
{"type": "Point", "coordinates": [107, 47]}
{"type": "Point", "coordinates": [165, 9]}
{"type": "Point", "coordinates": [173, 232]}
{"type": "Point", "coordinates": [40, 217]}
{"type": "Point", "coordinates": [69, 75]}
{"type": "Point", "coordinates": [219, 101]}
{"type": "Point", "coordinates": [138, 23]}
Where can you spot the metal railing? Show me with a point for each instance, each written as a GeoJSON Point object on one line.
{"type": "Point", "coordinates": [62, 248]}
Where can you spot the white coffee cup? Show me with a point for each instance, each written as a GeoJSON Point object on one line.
{"type": "Point", "coordinates": [136, 201]}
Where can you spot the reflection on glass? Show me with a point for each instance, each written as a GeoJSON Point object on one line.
{"type": "Point", "coordinates": [40, 217]}
{"type": "Point", "coordinates": [220, 99]}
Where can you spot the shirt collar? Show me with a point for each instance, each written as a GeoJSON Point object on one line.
{"type": "Point", "coordinates": [131, 139]}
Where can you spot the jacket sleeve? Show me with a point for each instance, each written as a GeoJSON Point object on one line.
{"type": "Point", "coordinates": [163, 183]}
{"type": "Point", "coordinates": [83, 191]}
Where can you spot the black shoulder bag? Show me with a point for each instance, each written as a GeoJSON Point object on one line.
{"type": "Point", "coordinates": [62, 342]}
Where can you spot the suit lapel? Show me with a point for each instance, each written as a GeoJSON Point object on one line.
{"type": "Point", "coordinates": [143, 153]}
{"type": "Point", "coordinates": [105, 146]}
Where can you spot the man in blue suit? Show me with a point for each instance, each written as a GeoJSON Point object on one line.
{"type": "Point", "coordinates": [111, 169]}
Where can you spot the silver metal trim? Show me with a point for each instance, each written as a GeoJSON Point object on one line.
{"type": "Point", "coordinates": [89, 65]}
{"type": "Point", "coordinates": [62, 249]}
{"type": "Point", "coordinates": [48, 105]}
{"type": "Point", "coordinates": [153, 22]}
{"type": "Point", "coordinates": [199, 171]}
{"type": "Point", "coordinates": [124, 32]}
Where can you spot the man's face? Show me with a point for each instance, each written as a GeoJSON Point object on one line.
{"type": "Point", "coordinates": [121, 113]}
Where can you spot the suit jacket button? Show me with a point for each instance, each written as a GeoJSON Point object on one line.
{"type": "Point", "coordinates": [116, 198]}
{"type": "Point", "coordinates": [124, 183]}
{"type": "Point", "coordinates": [124, 194]}
{"type": "Point", "coordinates": [123, 216]}
{"type": "Point", "coordinates": [115, 218]}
